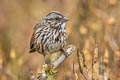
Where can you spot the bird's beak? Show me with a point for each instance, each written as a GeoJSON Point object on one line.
{"type": "Point", "coordinates": [65, 19]}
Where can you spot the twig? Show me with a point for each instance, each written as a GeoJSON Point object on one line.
{"type": "Point", "coordinates": [56, 63]}
{"type": "Point", "coordinates": [62, 57]}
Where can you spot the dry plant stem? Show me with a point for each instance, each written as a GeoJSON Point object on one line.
{"type": "Point", "coordinates": [94, 62]}
{"type": "Point", "coordinates": [56, 63]}
{"type": "Point", "coordinates": [80, 65]}
{"type": "Point", "coordinates": [62, 57]}
{"type": "Point", "coordinates": [73, 76]}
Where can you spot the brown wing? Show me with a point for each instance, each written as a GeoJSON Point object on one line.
{"type": "Point", "coordinates": [33, 45]}
{"type": "Point", "coordinates": [33, 40]}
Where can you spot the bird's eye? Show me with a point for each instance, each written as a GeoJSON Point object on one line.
{"type": "Point", "coordinates": [56, 18]}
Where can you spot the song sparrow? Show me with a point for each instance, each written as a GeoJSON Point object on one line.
{"type": "Point", "coordinates": [49, 34]}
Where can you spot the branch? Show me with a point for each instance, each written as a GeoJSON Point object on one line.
{"type": "Point", "coordinates": [56, 63]}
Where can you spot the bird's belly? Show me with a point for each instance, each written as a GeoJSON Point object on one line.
{"type": "Point", "coordinates": [54, 47]}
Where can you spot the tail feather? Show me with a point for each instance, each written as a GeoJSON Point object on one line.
{"type": "Point", "coordinates": [32, 50]}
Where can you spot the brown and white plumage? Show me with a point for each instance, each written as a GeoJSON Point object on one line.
{"type": "Point", "coordinates": [49, 34]}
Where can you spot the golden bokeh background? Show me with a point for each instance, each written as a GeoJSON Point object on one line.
{"type": "Point", "coordinates": [91, 23]}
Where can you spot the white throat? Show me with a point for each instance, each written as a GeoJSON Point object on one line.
{"type": "Point", "coordinates": [63, 26]}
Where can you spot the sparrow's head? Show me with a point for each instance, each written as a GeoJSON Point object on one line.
{"type": "Point", "coordinates": [56, 17]}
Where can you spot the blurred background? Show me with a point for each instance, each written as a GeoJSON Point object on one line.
{"type": "Point", "coordinates": [91, 23]}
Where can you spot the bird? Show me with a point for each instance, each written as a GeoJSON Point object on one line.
{"type": "Point", "coordinates": [49, 35]}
